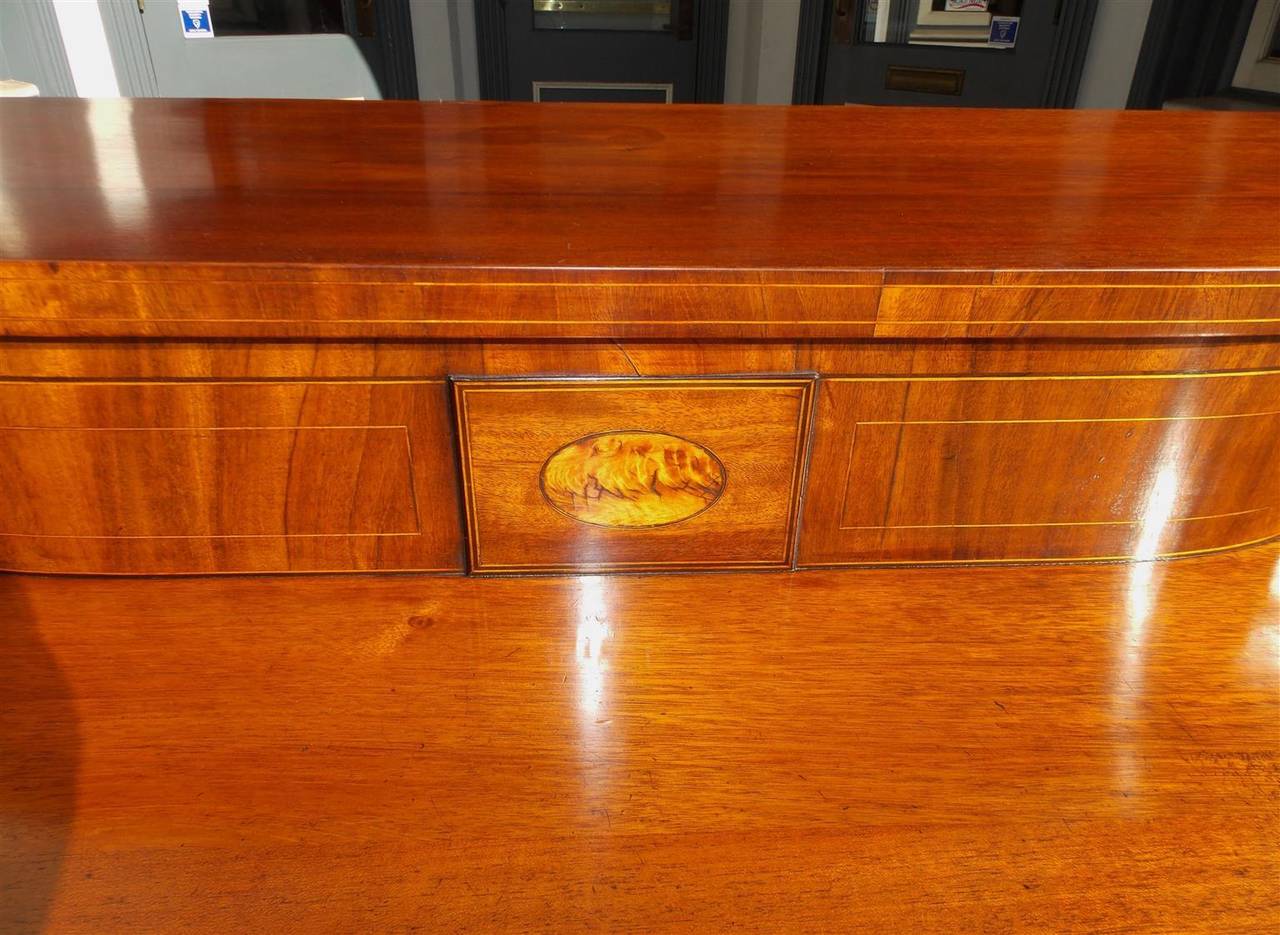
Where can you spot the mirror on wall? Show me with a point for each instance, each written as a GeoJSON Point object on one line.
{"type": "Point", "coordinates": [990, 24]}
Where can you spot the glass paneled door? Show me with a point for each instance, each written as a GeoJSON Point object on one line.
{"type": "Point", "coordinates": [281, 48]}
{"type": "Point", "coordinates": [969, 53]}
{"type": "Point", "coordinates": [599, 50]}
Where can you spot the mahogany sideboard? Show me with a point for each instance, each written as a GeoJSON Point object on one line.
{"type": "Point", "coordinates": [508, 340]}
{"type": "Point", "coordinates": [306, 337]}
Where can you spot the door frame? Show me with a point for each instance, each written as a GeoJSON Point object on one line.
{"type": "Point", "coordinates": [711, 28]}
{"type": "Point", "coordinates": [1189, 50]}
{"type": "Point", "coordinates": [1066, 59]}
{"type": "Point", "coordinates": [130, 54]}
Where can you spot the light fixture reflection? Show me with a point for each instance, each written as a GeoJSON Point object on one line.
{"type": "Point", "coordinates": [13, 239]}
{"type": "Point", "coordinates": [593, 631]}
{"type": "Point", "coordinates": [84, 39]}
{"type": "Point", "coordinates": [115, 154]}
{"type": "Point", "coordinates": [1261, 651]}
{"type": "Point", "coordinates": [1127, 689]}
{"type": "Point", "coordinates": [1156, 515]}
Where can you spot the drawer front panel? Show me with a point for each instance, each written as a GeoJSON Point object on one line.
{"type": "Point", "coordinates": [172, 478]}
{"type": "Point", "coordinates": [1042, 468]}
{"type": "Point", "coordinates": [632, 474]}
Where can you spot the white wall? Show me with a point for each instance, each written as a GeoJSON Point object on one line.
{"type": "Point", "coordinates": [761, 54]}
{"type": "Point", "coordinates": [444, 43]}
{"type": "Point", "coordinates": [444, 49]}
{"type": "Point", "coordinates": [84, 37]}
{"type": "Point", "coordinates": [1113, 53]}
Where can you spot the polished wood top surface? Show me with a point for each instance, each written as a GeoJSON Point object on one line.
{"type": "Point", "coordinates": [1059, 749]}
{"type": "Point", "coordinates": [590, 186]}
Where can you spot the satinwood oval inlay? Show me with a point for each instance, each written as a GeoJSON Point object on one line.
{"type": "Point", "coordinates": [632, 479]}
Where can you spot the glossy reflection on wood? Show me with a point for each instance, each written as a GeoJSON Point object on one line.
{"type": "Point", "coordinates": [1008, 468]}
{"type": "Point", "coordinates": [175, 477]}
{"type": "Point", "coordinates": [211, 363]}
{"type": "Point", "coordinates": [1065, 749]}
{"type": "Point", "coordinates": [473, 185]}
{"type": "Point", "coordinates": [244, 457]}
{"type": "Point", "coordinates": [216, 219]}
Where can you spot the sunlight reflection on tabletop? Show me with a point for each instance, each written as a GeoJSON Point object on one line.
{"type": "Point", "coordinates": [1145, 577]}
{"type": "Point", "coordinates": [593, 631]}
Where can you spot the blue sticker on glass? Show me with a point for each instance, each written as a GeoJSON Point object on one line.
{"type": "Point", "coordinates": [196, 22]}
{"type": "Point", "coordinates": [1004, 31]}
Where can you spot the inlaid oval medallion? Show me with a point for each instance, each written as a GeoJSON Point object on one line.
{"type": "Point", "coordinates": [632, 479]}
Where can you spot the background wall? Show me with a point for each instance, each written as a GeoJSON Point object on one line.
{"type": "Point", "coordinates": [444, 49]}
{"type": "Point", "coordinates": [762, 51]}
{"type": "Point", "coordinates": [759, 67]}
{"type": "Point", "coordinates": [1113, 52]}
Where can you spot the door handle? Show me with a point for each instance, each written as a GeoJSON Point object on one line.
{"type": "Point", "coordinates": [842, 22]}
{"type": "Point", "coordinates": [366, 19]}
{"type": "Point", "coordinates": [682, 20]}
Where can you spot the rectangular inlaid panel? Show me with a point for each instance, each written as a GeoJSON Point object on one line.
{"type": "Point", "coordinates": [632, 474]}
{"type": "Point", "coordinates": [1042, 468]}
{"type": "Point", "coordinates": [163, 478]}
{"type": "Point", "coordinates": [147, 481]}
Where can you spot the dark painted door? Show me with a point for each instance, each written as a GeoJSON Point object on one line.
{"type": "Point", "coordinates": [598, 50]}
{"type": "Point", "coordinates": [964, 53]}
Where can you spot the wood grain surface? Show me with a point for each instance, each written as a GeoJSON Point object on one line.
{"type": "Point", "coordinates": [1035, 468]}
{"type": "Point", "coordinates": [1053, 749]}
{"type": "Point", "coordinates": [400, 360]}
{"type": "Point", "coordinates": [115, 300]}
{"type": "Point", "coordinates": [187, 477]}
{"type": "Point", "coordinates": [238, 456]}
{"type": "Point", "coordinates": [595, 186]}
{"type": "Point", "coordinates": [218, 219]}
{"type": "Point", "coordinates": [226, 330]}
